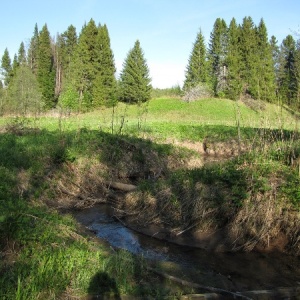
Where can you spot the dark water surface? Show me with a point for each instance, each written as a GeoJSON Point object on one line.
{"type": "Point", "coordinates": [245, 271]}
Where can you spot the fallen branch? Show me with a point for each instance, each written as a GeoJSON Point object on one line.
{"type": "Point", "coordinates": [121, 186]}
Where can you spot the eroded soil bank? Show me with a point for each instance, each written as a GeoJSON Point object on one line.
{"type": "Point", "coordinates": [194, 198]}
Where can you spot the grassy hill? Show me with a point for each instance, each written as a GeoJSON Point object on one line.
{"type": "Point", "coordinates": [53, 164]}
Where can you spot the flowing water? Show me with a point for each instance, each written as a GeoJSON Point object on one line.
{"type": "Point", "coordinates": [241, 271]}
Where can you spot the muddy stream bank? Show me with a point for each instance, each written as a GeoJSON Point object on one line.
{"type": "Point", "coordinates": [236, 271]}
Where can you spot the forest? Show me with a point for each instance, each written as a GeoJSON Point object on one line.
{"type": "Point", "coordinates": [77, 71]}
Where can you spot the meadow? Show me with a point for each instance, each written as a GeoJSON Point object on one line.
{"type": "Point", "coordinates": [57, 162]}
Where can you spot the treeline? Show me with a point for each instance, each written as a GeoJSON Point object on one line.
{"type": "Point", "coordinates": [240, 62]}
{"type": "Point", "coordinates": [76, 72]}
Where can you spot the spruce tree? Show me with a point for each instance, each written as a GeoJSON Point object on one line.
{"type": "Point", "coordinates": [265, 68]}
{"type": "Point", "coordinates": [275, 56]}
{"type": "Point", "coordinates": [105, 85]}
{"type": "Point", "coordinates": [196, 72]}
{"type": "Point", "coordinates": [21, 54]}
{"type": "Point", "coordinates": [6, 67]}
{"type": "Point", "coordinates": [64, 54]}
{"type": "Point", "coordinates": [2, 98]}
{"type": "Point", "coordinates": [287, 79]}
{"type": "Point", "coordinates": [233, 62]}
{"type": "Point", "coordinates": [15, 65]}
{"type": "Point", "coordinates": [70, 41]}
{"type": "Point", "coordinates": [249, 57]}
{"type": "Point", "coordinates": [135, 82]}
{"type": "Point", "coordinates": [33, 50]}
{"type": "Point", "coordinates": [45, 68]}
{"type": "Point", "coordinates": [85, 64]}
{"type": "Point", "coordinates": [217, 56]}
{"type": "Point", "coordinates": [297, 75]}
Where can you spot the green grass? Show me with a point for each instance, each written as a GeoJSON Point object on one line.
{"type": "Point", "coordinates": [43, 253]}
{"type": "Point", "coordinates": [162, 114]}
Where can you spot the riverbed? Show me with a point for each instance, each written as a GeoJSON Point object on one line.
{"type": "Point", "coordinates": [238, 271]}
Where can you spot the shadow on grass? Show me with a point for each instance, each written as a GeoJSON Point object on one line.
{"type": "Point", "coordinates": [102, 286]}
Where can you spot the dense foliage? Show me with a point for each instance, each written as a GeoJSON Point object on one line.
{"type": "Point", "coordinates": [134, 80]}
{"type": "Point", "coordinates": [240, 62]}
{"type": "Point", "coordinates": [77, 71]}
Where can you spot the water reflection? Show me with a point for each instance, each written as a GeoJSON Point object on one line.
{"type": "Point", "coordinates": [248, 270]}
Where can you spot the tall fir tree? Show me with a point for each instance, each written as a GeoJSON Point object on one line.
{"type": "Point", "coordinates": [6, 67]}
{"type": "Point", "coordinates": [275, 56]}
{"type": "Point", "coordinates": [65, 47]}
{"type": "Point", "coordinates": [22, 54]}
{"type": "Point", "coordinates": [32, 55]}
{"type": "Point", "coordinates": [105, 85]}
{"type": "Point", "coordinates": [233, 62]}
{"type": "Point", "coordinates": [45, 68]}
{"type": "Point", "coordinates": [135, 83]}
{"type": "Point", "coordinates": [217, 56]}
{"type": "Point", "coordinates": [197, 71]}
{"type": "Point", "coordinates": [84, 66]}
{"type": "Point", "coordinates": [70, 41]}
{"type": "Point", "coordinates": [15, 65]}
{"type": "Point", "coordinates": [249, 57]}
{"type": "Point", "coordinates": [287, 80]}
{"type": "Point", "coordinates": [297, 73]}
{"type": "Point", "coordinates": [265, 68]}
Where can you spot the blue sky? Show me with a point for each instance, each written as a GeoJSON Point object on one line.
{"type": "Point", "coordinates": [166, 29]}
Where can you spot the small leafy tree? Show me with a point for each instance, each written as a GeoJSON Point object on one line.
{"type": "Point", "coordinates": [24, 95]}
{"type": "Point", "coordinates": [69, 99]}
{"type": "Point", "coordinates": [134, 86]}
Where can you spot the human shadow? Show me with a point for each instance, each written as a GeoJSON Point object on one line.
{"type": "Point", "coordinates": [103, 287]}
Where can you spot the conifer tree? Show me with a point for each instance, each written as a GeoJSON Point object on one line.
{"type": "Point", "coordinates": [135, 82]}
{"type": "Point", "coordinates": [64, 54]}
{"type": "Point", "coordinates": [297, 74]}
{"type": "Point", "coordinates": [217, 56]}
{"type": "Point", "coordinates": [6, 67]}
{"type": "Point", "coordinates": [265, 68]}
{"type": "Point", "coordinates": [33, 50]}
{"type": "Point", "coordinates": [196, 72]}
{"type": "Point", "coordinates": [2, 97]}
{"type": "Point", "coordinates": [233, 62]}
{"type": "Point", "coordinates": [70, 41]}
{"type": "Point", "coordinates": [21, 54]}
{"type": "Point", "coordinates": [84, 66]}
{"type": "Point", "coordinates": [275, 56]}
{"type": "Point", "coordinates": [45, 68]}
{"type": "Point", "coordinates": [287, 80]}
{"type": "Point", "coordinates": [15, 65]}
{"type": "Point", "coordinates": [105, 85]}
{"type": "Point", "coordinates": [250, 58]}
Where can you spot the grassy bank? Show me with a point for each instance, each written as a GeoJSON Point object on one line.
{"type": "Point", "coordinates": [51, 165]}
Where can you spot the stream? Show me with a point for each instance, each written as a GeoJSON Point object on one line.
{"type": "Point", "coordinates": [238, 270]}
